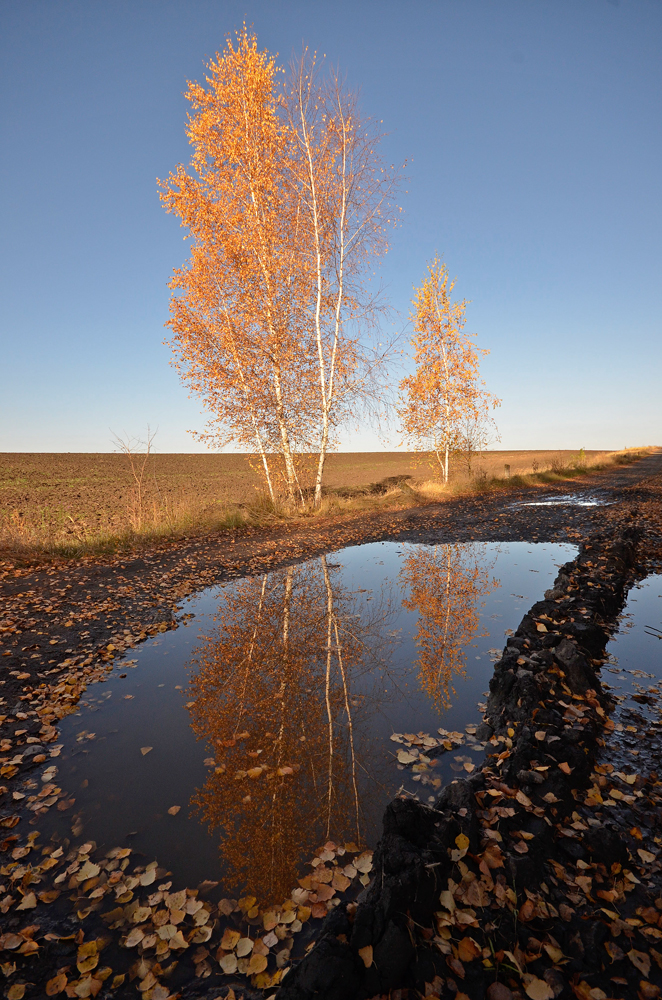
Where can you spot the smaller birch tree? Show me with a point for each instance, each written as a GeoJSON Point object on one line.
{"type": "Point", "coordinates": [445, 391]}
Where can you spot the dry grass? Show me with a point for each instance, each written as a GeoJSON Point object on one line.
{"type": "Point", "coordinates": [74, 505]}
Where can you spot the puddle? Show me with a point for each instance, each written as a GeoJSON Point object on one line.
{"type": "Point", "coordinates": [634, 667]}
{"type": "Point", "coordinates": [566, 500]}
{"type": "Point", "coordinates": [232, 747]}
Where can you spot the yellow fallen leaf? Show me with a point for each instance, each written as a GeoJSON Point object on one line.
{"type": "Point", "coordinates": [542, 628]}
{"type": "Point", "coordinates": [173, 810]}
{"type": "Point", "coordinates": [229, 939]}
{"type": "Point", "coordinates": [366, 955]}
{"type": "Point", "coordinates": [16, 992]}
{"type": "Point", "coordinates": [145, 750]}
{"type": "Point", "coordinates": [645, 856]}
{"type": "Point", "coordinates": [462, 841]}
{"type": "Point", "coordinates": [269, 919]}
{"type": "Point", "coordinates": [257, 964]}
{"type": "Point", "coordinates": [56, 985]}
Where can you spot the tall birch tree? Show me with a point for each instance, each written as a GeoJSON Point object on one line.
{"type": "Point", "coordinates": [287, 205]}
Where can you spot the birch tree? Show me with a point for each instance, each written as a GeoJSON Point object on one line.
{"type": "Point", "coordinates": [237, 306]}
{"type": "Point", "coordinates": [445, 390]}
{"type": "Point", "coordinates": [346, 199]}
{"type": "Point", "coordinates": [287, 205]}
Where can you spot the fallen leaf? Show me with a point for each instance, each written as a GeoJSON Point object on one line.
{"type": "Point", "coordinates": [145, 750]}
{"type": "Point", "coordinates": [244, 947]}
{"type": "Point", "coordinates": [640, 960]}
{"type": "Point", "coordinates": [366, 955]}
{"type": "Point", "coordinates": [28, 902]}
{"type": "Point", "coordinates": [56, 985]}
{"type": "Point", "coordinates": [257, 964]}
{"type": "Point", "coordinates": [229, 939]}
{"type": "Point", "coordinates": [173, 810]}
{"type": "Point", "coordinates": [16, 992]}
{"type": "Point", "coordinates": [455, 965]}
{"type": "Point", "coordinates": [538, 989]}
{"type": "Point", "coordinates": [468, 950]}
{"type": "Point", "coordinates": [406, 758]}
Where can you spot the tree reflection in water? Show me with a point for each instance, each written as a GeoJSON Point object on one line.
{"type": "Point", "coordinates": [283, 689]}
{"type": "Point", "coordinates": [443, 584]}
{"type": "Point", "coordinates": [272, 690]}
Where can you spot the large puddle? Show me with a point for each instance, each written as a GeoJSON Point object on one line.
{"type": "Point", "coordinates": [292, 708]}
{"type": "Point", "coordinates": [634, 666]}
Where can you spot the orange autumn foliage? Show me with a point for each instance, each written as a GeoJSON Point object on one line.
{"type": "Point", "coordinates": [286, 205]}
{"type": "Point", "coordinates": [446, 391]}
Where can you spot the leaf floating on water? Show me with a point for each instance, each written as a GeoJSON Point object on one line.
{"type": "Point", "coordinates": [173, 810]}
{"type": "Point", "coordinates": [145, 750]}
{"type": "Point", "coordinates": [404, 757]}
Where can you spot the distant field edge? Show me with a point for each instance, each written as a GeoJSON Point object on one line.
{"type": "Point", "coordinates": [77, 504]}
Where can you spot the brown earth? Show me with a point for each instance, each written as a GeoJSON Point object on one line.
{"type": "Point", "coordinates": [62, 494]}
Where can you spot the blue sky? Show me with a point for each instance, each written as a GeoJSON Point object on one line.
{"type": "Point", "coordinates": [532, 132]}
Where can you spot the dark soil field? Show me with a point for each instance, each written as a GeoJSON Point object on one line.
{"type": "Point", "coordinates": [101, 485]}
{"type": "Point", "coordinates": [47, 498]}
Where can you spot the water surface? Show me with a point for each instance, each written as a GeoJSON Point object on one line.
{"type": "Point", "coordinates": [230, 748]}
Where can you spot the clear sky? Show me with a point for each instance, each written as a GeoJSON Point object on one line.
{"type": "Point", "coordinates": [532, 131]}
